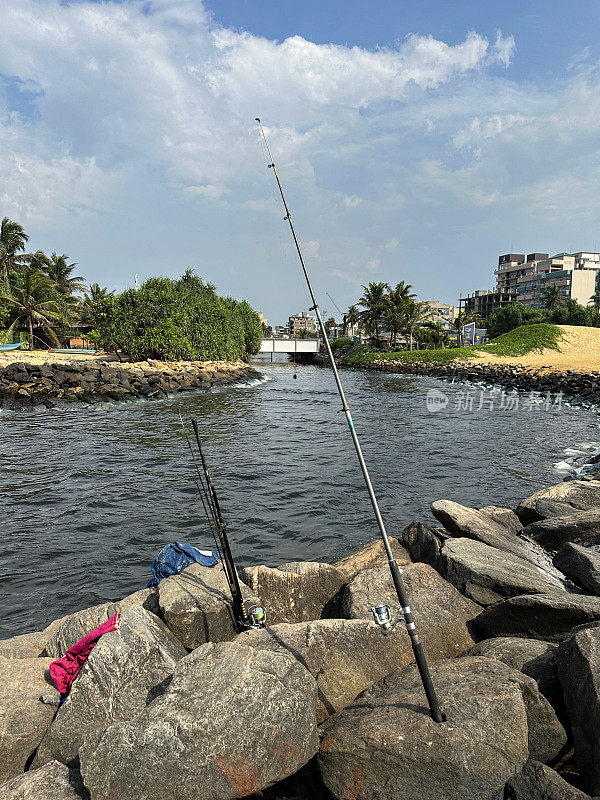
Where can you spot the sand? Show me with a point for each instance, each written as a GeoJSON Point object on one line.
{"type": "Point", "coordinates": [579, 350]}
{"type": "Point", "coordinates": [44, 357]}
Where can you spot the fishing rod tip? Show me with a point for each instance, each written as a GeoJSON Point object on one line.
{"type": "Point", "coordinates": [257, 119]}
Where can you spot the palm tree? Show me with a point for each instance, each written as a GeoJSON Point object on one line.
{"type": "Point", "coordinates": [415, 313]}
{"type": "Point", "coordinates": [465, 318]}
{"type": "Point", "coordinates": [351, 318]}
{"type": "Point", "coordinates": [61, 274]}
{"type": "Point", "coordinates": [34, 262]}
{"type": "Point", "coordinates": [373, 301]}
{"type": "Point", "coordinates": [34, 305]}
{"type": "Point", "coordinates": [394, 311]}
{"type": "Point", "coordinates": [595, 300]}
{"type": "Point", "coordinates": [93, 306]}
{"type": "Point", "coordinates": [12, 241]}
{"type": "Point", "coordinates": [553, 298]}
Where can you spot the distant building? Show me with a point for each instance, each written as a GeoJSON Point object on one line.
{"type": "Point", "coordinates": [301, 322]}
{"type": "Point", "coordinates": [575, 274]}
{"type": "Point", "coordinates": [281, 331]}
{"type": "Point", "coordinates": [443, 313]}
{"type": "Point", "coordinates": [526, 279]}
{"type": "Point", "coordinates": [263, 319]}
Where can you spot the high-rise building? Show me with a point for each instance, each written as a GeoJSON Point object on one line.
{"type": "Point", "coordinates": [576, 275]}
{"type": "Point", "coordinates": [301, 322]}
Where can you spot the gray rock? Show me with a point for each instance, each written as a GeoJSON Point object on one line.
{"type": "Point", "coordinates": [465, 522]}
{"type": "Point", "coordinates": [539, 782]}
{"type": "Point", "coordinates": [345, 656]}
{"type": "Point", "coordinates": [560, 500]}
{"type": "Point", "coordinates": [369, 556]}
{"type": "Point", "coordinates": [424, 543]}
{"type": "Point", "coordinates": [196, 605]}
{"type": "Point", "coordinates": [125, 670]}
{"type": "Point", "coordinates": [581, 565]}
{"type": "Point", "coordinates": [533, 657]}
{"type": "Point", "coordinates": [50, 782]}
{"type": "Point", "coordinates": [486, 574]}
{"type": "Point", "coordinates": [503, 516]}
{"type": "Point", "coordinates": [441, 613]}
{"type": "Point", "coordinates": [385, 745]}
{"type": "Point", "coordinates": [549, 617]}
{"type": "Point", "coordinates": [233, 721]}
{"type": "Point", "coordinates": [23, 718]}
{"type": "Point", "coordinates": [70, 629]}
{"type": "Point", "coordinates": [296, 592]}
{"type": "Point", "coordinates": [27, 645]}
{"type": "Point", "coordinates": [579, 672]}
{"type": "Point", "coordinates": [579, 527]}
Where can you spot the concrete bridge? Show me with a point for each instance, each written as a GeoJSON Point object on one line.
{"type": "Point", "coordinates": [289, 346]}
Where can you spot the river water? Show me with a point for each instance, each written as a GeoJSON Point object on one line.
{"type": "Point", "coordinates": [88, 496]}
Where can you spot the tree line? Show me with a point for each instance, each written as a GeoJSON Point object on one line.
{"type": "Point", "coordinates": [163, 319]}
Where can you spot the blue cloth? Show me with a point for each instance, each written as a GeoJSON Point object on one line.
{"type": "Point", "coordinates": [175, 557]}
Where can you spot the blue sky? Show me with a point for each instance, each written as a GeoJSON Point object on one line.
{"type": "Point", "coordinates": [416, 141]}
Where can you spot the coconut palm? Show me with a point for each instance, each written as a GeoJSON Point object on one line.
{"type": "Point", "coordinates": [394, 311]}
{"type": "Point", "coordinates": [60, 273]}
{"type": "Point", "coordinates": [94, 303]}
{"type": "Point", "coordinates": [373, 301]}
{"type": "Point", "coordinates": [465, 318]}
{"type": "Point", "coordinates": [415, 313]}
{"type": "Point", "coordinates": [595, 300]}
{"type": "Point", "coordinates": [553, 298]}
{"type": "Point", "coordinates": [34, 262]}
{"type": "Point", "coordinates": [34, 304]}
{"type": "Point", "coordinates": [12, 241]}
{"type": "Point", "coordinates": [351, 318]}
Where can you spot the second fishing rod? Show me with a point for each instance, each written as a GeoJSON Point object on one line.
{"type": "Point", "coordinates": [381, 613]}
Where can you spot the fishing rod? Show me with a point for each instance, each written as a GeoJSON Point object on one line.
{"type": "Point", "coordinates": [381, 612]}
{"type": "Point", "coordinates": [210, 502]}
{"type": "Point", "coordinates": [244, 619]}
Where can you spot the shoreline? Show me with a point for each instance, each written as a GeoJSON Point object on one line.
{"type": "Point", "coordinates": [58, 382]}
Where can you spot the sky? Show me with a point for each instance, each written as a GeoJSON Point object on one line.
{"type": "Point", "coordinates": [415, 141]}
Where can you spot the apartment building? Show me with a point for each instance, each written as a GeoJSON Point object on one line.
{"type": "Point", "coordinates": [441, 312]}
{"type": "Point", "coordinates": [483, 301]}
{"type": "Point", "coordinates": [575, 274]}
{"type": "Point", "coordinates": [301, 322]}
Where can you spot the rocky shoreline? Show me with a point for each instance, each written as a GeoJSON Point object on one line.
{"type": "Point", "coordinates": [582, 385]}
{"type": "Point", "coordinates": [23, 385]}
{"type": "Point", "coordinates": [320, 705]}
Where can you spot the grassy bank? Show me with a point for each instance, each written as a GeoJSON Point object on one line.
{"type": "Point", "coordinates": [518, 342]}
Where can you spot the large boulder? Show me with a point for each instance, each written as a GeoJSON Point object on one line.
{"type": "Point", "coordinates": [371, 555]}
{"type": "Point", "coordinates": [298, 591]}
{"type": "Point", "coordinates": [550, 617]}
{"type": "Point", "coordinates": [385, 745]}
{"type": "Point", "coordinates": [196, 605]}
{"type": "Point", "coordinates": [27, 645]}
{"type": "Point", "coordinates": [503, 516]}
{"type": "Point", "coordinates": [538, 782]}
{"type": "Point", "coordinates": [560, 500]}
{"type": "Point", "coordinates": [233, 721]}
{"type": "Point", "coordinates": [124, 671]}
{"type": "Point", "coordinates": [468, 523]}
{"type": "Point", "coordinates": [580, 527]}
{"type": "Point", "coordinates": [441, 613]}
{"type": "Point", "coordinates": [424, 543]}
{"type": "Point", "coordinates": [486, 574]}
{"type": "Point", "coordinates": [345, 656]}
{"type": "Point", "coordinates": [24, 718]}
{"type": "Point", "coordinates": [532, 657]}
{"type": "Point", "coordinates": [50, 782]}
{"type": "Point", "coordinates": [581, 565]}
{"type": "Point", "coordinates": [70, 629]}
{"type": "Point", "coordinates": [579, 672]}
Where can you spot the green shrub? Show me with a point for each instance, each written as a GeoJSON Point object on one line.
{"type": "Point", "coordinates": [174, 320]}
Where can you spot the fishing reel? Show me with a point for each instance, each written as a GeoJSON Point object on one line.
{"type": "Point", "coordinates": [257, 618]}
{"type": "Point", "coordinates": [382, 615]}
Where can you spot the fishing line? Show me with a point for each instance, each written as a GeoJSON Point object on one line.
{"type": "Point", "coordinates": [381, 613]}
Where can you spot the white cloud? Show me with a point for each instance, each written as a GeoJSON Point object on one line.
{"type": "Point", "coordinates": [351, 201]}
{"type": "Point", "coordinates": [373, 263]}
{"type": "Point", "coordinates": [311, 248]}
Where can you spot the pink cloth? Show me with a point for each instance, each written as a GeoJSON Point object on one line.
{"type": "Point", "coordinates": [64, 671]}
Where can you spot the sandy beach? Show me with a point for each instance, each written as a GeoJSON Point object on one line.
{"type": "Point", "coordinates": [579, 350]}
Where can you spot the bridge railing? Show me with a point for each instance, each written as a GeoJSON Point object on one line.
{"type": "Point", "coordinates": [289, 346]}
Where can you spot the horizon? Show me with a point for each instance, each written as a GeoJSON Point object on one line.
{"type": "Point", "coordinates": [413, 144]}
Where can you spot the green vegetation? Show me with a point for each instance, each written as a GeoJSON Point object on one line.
{"type": "Point", "coordinates": [176, 320]}
{"type": "Point", "coordinates": [506, 318]}
{"type": "Point", "coordinates": [518, 342]}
